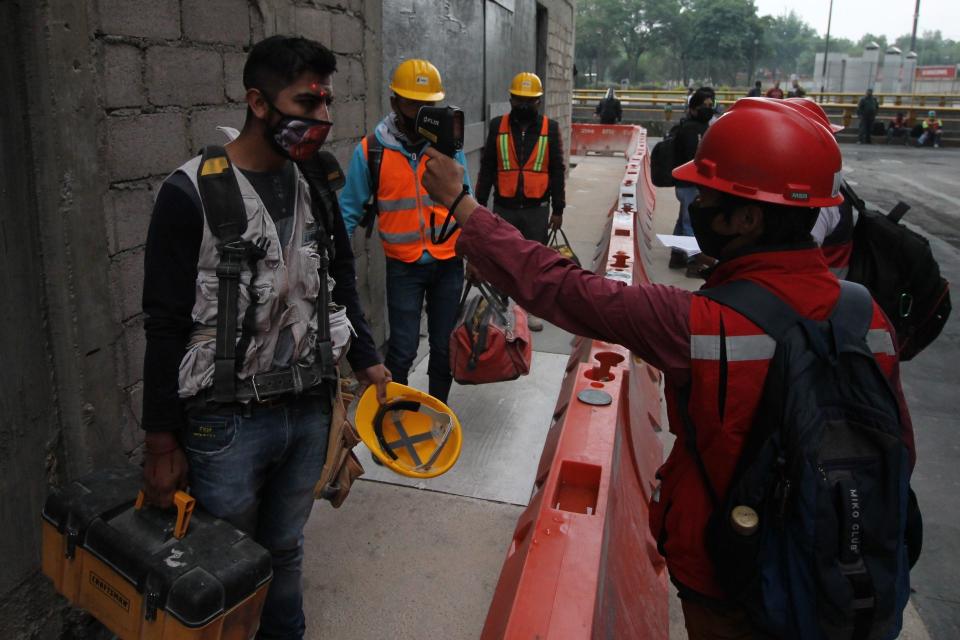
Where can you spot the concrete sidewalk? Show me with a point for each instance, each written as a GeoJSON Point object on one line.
{"type": "Point", "coordinates": [405, 559]}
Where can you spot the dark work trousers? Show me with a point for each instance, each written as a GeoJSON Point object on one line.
{"type": "Point", "coordinates": [531, 222]}
{"type": "Point", "coordinates": [866, 128]}
{"type": "Point", "coordinates": [440, 283]}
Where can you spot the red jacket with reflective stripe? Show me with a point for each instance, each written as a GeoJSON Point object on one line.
{"type": "Point", "coordinates": [677, 332]}
{"type": "Point", "coordinates": [723, 413]}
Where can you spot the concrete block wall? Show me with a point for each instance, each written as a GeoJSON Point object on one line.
{"type": "Point", "coordinates": [559, 81]}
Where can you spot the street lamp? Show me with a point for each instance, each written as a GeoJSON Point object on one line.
{"type": "Point", "coordinates": [826, 52]}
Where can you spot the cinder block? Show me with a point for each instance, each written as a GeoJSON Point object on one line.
{"type": "Point", "coordinates": [184, 76]}
{"type": "Point", "coordinates": [128, 217]}
{"type": "Point", "coordinates": [314, 24]}
{"type": "Point", "coordinates": [145, 145]}
{"type": "Point", "coordinates": [203, 125]}
{"type": "Point", "coordinates": [131, 437]}
{"type": "Point", "coordinates": [158, 19]}
{"type": "Point", "coordinates": [233, 76]}
{"type": "Point", "coordinates": [122, 76]}
{"type": "Point", "coordinates": [126, 275]}
{"type": "Point", "coordinates": [347, 34]}
{"type": "Point", "coordinates": [349, 82]}
{"type": "Point", "coordinates": [130, 350]}
{"type": "Point", "coordinates": [348, 121]}
{"type": "Point", "coordinates": [226, 21]}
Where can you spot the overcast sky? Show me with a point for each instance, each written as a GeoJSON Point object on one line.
{"type": "Point", "coordinates": [853, 18]}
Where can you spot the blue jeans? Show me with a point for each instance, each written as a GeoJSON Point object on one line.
{"type": "Point", "coordinates": [258, 473]}
{"type": "Point", "coordinates": [439, 282]}
{"type": "Point", "coordinates": [685, 195]}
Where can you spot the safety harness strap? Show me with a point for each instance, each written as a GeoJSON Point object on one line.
{"type": "Point", "coordinates": [226, 216]}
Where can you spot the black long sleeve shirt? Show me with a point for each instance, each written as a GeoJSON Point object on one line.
{"type": "Point", "coordinates": [525, 140]}
{"type": "Point", "coordinates": [169, 289]}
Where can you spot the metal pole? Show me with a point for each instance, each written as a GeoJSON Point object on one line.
{"type": "Point", "coordinates": [826, 52]}
{"type": "Point", "coordinates": [913, 36]}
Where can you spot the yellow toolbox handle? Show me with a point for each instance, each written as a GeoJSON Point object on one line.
{"type": "Point", "coordinates": [184, 503]}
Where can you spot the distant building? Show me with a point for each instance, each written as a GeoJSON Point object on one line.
{"type": "Point", "coordinates": [884, 72]}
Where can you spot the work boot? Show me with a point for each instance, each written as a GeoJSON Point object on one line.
{"type": "Point", "coordinates": [678, 259]}
{"type": "Point", "coordinates": [534, 323]}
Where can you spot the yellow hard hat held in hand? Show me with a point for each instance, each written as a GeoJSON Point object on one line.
{"type": "Point", "coordinates": [417, 80]}
{"type": "Point", "coordinates": [413, 434]}
{"type": "Point", "coordinates": [526, 85]}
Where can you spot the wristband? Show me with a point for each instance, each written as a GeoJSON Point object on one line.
{"type": "Point", "coordinates": [456, 202]}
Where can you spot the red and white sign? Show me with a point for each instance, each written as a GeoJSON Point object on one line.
{"type": "Point", "coordinates": [937, 73]}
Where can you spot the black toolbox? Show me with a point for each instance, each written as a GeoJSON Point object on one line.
{"type": "Point", "coordinates": [125, 566]}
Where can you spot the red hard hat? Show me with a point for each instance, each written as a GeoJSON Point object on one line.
{"type": "Point", "coordinates": [765, 150]}
{"type": "Point", "coordinates": [815, 111]}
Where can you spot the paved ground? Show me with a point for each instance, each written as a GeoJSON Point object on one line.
{"type": "Point", "coordinates": [928, 180]}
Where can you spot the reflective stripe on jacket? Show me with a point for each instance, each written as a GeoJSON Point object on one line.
{"type": "Point", "coordinates": [406, 210]}
{"type": "Point", "coordinates": [729, 360]}
{"type": "Point", "coordinates": [535, 171]}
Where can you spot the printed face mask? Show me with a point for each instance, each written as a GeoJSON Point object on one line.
{"type": "Point", "coordinates": [298, 137]}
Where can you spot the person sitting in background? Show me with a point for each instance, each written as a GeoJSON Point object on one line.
{"type": "Point", "coordinates": [775, 91]}
{"type": "Point", "coordinates": [898, 128]}
{"type": "Point", "coordinates": [932, 130]}
{"type": "Point", "coordinates": [797, 91]}
{"type": "Point", "coordinates": [757, 90]}
{"type": "Point", "coordinates": [608, 109]}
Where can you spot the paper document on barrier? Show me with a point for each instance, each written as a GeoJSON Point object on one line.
{"type": "Point", "coordinates": [686, 244]}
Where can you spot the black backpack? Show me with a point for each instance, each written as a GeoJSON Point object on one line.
{"type": "Point", "coordinates": [812, 537]}
{"type": "Point", "coordinates": [663, 159]}
{"type": "Point", "coordinates": [897, 266]}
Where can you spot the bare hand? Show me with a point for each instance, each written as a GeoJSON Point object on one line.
{"type": "Point", "coordinates": [555, 222]}
{"type": "Point", "coordinates": [164, 470]}
{"type": "Point", "coordinates": [378, 375]}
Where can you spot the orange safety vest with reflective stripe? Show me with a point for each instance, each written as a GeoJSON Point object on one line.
{"type": "Point", "coordinates": [729, 360]}
{"type": "Point", "coordinates": [405, 210]}
{"type": "Point", "coordinates": [536, 178]}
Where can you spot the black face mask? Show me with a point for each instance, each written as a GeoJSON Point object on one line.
{"type": "Point", "coordinates": [524, 113]}
{"type": "Point", "coordinates": [704, 114]}
{"type": "Point", "coordinates": [409, 126]}
{"type": "Point", "coordinates": [701, 218]}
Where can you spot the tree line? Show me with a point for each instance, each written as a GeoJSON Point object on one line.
{"type": "Point", "coordinates": [717, 41]}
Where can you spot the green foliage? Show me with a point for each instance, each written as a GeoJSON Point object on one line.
{"type": "Point", "coordinates": [712, 41]}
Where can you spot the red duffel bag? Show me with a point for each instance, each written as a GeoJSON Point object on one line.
{"type": "Point", "coordinates": [491, 342]}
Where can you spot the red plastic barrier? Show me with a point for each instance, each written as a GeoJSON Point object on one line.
{"type": "Point", "coordinates": [604, 139]}
{"type": "Point", "coordinates": [582, 563]}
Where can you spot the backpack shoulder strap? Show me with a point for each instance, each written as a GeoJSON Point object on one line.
{"type": "Point", "coordinates": [757, 304]}
{"type": "Point", "coordinates": [853, 312]}
{"type": "Point", "coordinates": [226, 216]}
{"type": "Point", "coordinates": [220, 194]}
{"type": "Point", "coordinates": [374, 162]}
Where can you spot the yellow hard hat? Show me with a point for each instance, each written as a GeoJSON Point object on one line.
{"type": "Point", "coordinates": [413, 434]}
{"type": "Point", "coordinates": [417, 80]}
{"type": "Point", "coordinates": [526, 85]}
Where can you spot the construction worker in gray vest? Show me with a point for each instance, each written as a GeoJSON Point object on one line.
{"type": "Point", "coordinates": [250, 302]}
